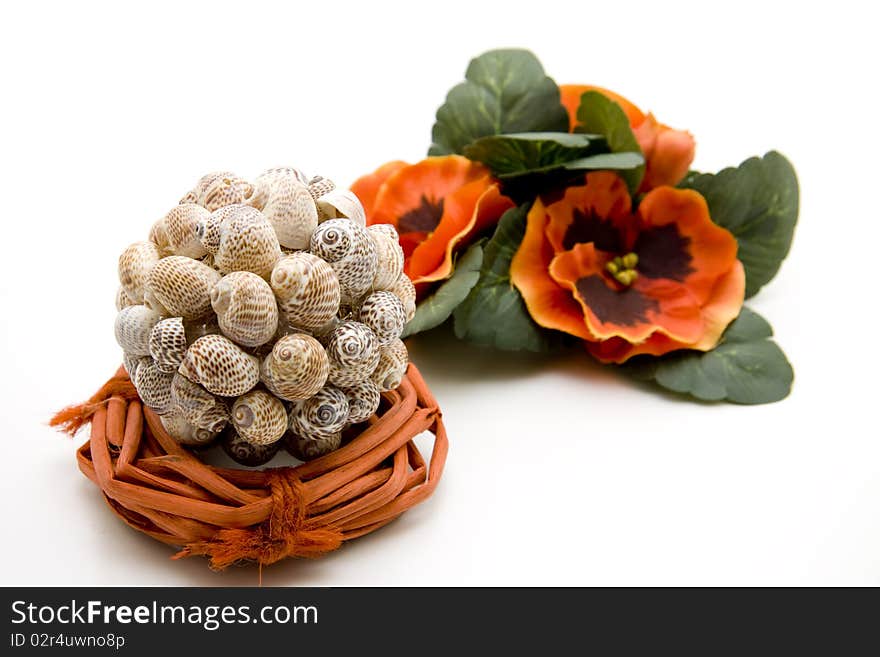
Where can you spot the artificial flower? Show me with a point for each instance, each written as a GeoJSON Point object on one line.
{"type": "Point", "coordinates": [668, 152]}
{"type": "Point", "coordinates": [649, 281]}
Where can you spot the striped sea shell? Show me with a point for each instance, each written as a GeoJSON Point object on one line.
{"type": "Point", "coordinates": [384, 313]}
{"type": "Point", "coordinates": [247, 241]}
{"type": "Point", "coordinates": [296, 368]}
{"type": "Point", "coordinates": [181, 287]}
{"type": "Point", "coordinates": [363, 401]}
{"type": "Point", "coordinates": [198, 406]}
{"type": "Point", "coordinates": [404, 290]}
{"type": "Point", "coordinates": [308, 449]}
{"type": "Point", "coordinates": [307, 290]}
{"type": "Point", "coordinates": [177, 232]}
{"type": "Point", "coordinates": [135, 265]}
{"type": "Point", "coordinates": [341, 204]}
{"type": "Point", "coordinates": [259, 418]}
{"type": "Point", "coordinates": [133, 326]}
{"type": "Point", "coordinates": [179, 428]}
{"type": "Point", "coordinates": [154, 387]}
{"type": "Point", "coordinates": [291, 210]}
{"type": "Point", "coordinates": [168, 344]}
{"type": "Point", "coordinates": [246, 308]}
{"type": "Point", "coordinates": [393, 361]}
{"type": "Point", "coordinates": [351, 253]}
{"type": "Point", "coordinates": [246, 453]}
{"type": "Point", "coordinates": [389, 265]}
{"type": "Point", "coordinates": [320, 416]}
{"type": "Point", "coordinates": [353, 351]}
{"type": "Point", "coordinates": [220, 366]}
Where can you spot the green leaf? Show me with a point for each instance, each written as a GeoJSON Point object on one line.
{"type": "Point", "coordinates": [505, 91]}
{"type": "Point", "coordinates": [600, 115]}
{"type": "Point", "coordinates": [745, 368]}
{"type": "Point", "coordinates": [494, 313]}
{"type": "Point", "coordinates": [520, 153]}
{"type": "Point", "coordinates": [437, 308]}
{"type": "Point", "coordinates": [757, 202]}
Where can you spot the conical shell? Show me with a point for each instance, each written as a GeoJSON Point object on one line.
{"type": "Point", "coordinates": [133, 327]}
{"type": "Point", "coordinates": [186, 433]}
{"type": "Point", "coordinates": [307, 290]}
{"type": "Point", "coordinates": [135, 265]}
{"type": "Point", "coordinates": [296, 368]}
{"type": "Point", "coordinates": [225, 190]}
{"type": "Point", "coordinates": [320, 416]}
{"type": "Point", "coordinates": [245, 453]}
{"type": "Point", "coordinates": [353, 351]}
{"type": "Point", "coordinates": [168, 344]}
{"type": "Point", "coordinates": [177, 232]}
{"type": "Point", "coordinates": [198, 406]}
{"type": "Point", "coordinates": [182, 286]}
{"type": "Point", "coordinates": [404, 290]}
{"type": "Point", "coordinates": [351, 253]}
{"type": "Point", "coordinates": [393, 361]}
{"type": "Point", "coordinates": [220, 366]}
{"type": "Point", "coordinates": [259, 418]}
{"type": "Point", "coordinates": [308, 449]}
{"type": "Point", "coordinates": [123, 300]}
{"type": "Point", "coordinates": [389, 265]}
{"type": "Point", "coordinates": [246, 308]}
{"type": "Point", "coordinates": [363, 401]}
{"type": "Point", "coordinates": [384, 313]}
{"type": "Point", "coordinates": [154, 387]}
{"type": "Point", "coordinates": [341, 204]}
{"type": "Point", "coordinates": [291, 211]}
{"type": "Point", "coordinates": [247, 242]}
{"type": "Point", "coordinates": [266, 180]}
{"type": "Point", "coordinates": [318, 186]}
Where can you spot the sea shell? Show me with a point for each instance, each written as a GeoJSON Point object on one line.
{"type": "Point", "coordinates": [177, 232]}
{"type": "Point", "coordinates": [318, 186]}
{"type": "Point", "coordinates": [247, 241]}
{"type": "Point", "coordinates": [131, 363]}
{"type": "Point", "coordinates": [225, 190]}
{"type": "Point", "coordinates": [246, 453]}
{"type": "Point", "coordinates": [307, 449]}
{"type": "Point", "coordinates": [363, 401]}
{"type": "Point", "coordinates": [259, 418]}
{"type": "Point", "coordinates": [179, 428]}
{"type": "Point", "coordinates": [341, 204]}
{"type": "Point", "coordinates": [393, 361]}
{"type": "Point", "coordinates": [123, 300]}
{"type": "Point", "coordinates": [202, 185]}
{"type": "Point", "coordinates": [266, 180]}
{"type": "Point", "coordinates": [390, 257]}
{"type": "Point", "coordinates": [320, 416]}
{"type": "Point", "coordinates": [384, 313]}
{"type": "Point", "coordinates": [154, 387]}
{"type": "Point", "coordinates": [168, 344]}
{"type": "Point", "coordinates": [135, 265]}
{"type": "Point", "coordinates": [182, 287]}
{"type": "Point", "coordinates": [353, 351]}
{"type": "Point", "coordinates": [307, 290]}
{"type": "Point", "coordinates": [351, 252]}
{"type": "Point", "coordinates": [220, 366]}
{"type": "Point", "coordinates": [296, 368]}
{"type": "Point", "coordinates": [404, 290]}
{"type": "Point", "coordinates": [208, 230]}
{"type": "Point", "coordinates": [291, 210]}
{"type": "Point", "coordinates": [246, 308]}
{"type": "Point", "coordinates": [198, 406]}
{"type": "Point", "coordinates": [133, 326]}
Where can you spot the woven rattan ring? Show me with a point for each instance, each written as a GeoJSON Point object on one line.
{"type": "Point", "coordinates": [230, 515]}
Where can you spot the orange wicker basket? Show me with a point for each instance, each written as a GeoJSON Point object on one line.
{"type": "Point", "coordinates": [229, 515]}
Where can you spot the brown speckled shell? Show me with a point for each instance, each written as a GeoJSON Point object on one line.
{"type": "Point", "coordinates": [131, 363]}
{"type": "Point", "coordinates": [177, 232]}
{"type": "Point", "coordinates": [404, 290]}
{"type": "Point", "coordinates": [246, 308]}
{"type": "Point", "coordinates": [198, 406]}
{"type": "Point", "coordinates": [225, 190]}
{"type": "Point", "coordinates": [154, 387]}
{"type": "Point", "coordinates": [307, 290]}
{"type": "Point", "coordinates": [389, 263]}
{"type": "Point", "coordinates": [133, 326]}
{"type": "Point", "coordinates": [351, 253]}
{"type": "Point", "coordinates": [265, 181]}
{"type": "Point", "coordinates": [308, 449]}
{"type": "Point", "coordinates": [291, 211]}
{"type": "Point", "coordinates": [296, 368]}
{"type": "Point", "coordinates": [320, 416]}
{"type": "Point", "coordinates": [259, 418]}
{"type": "Point", "coordinates": [319, 185]}
{"type": "Point", "coordinates": [185, 433]}
{"type": "Point", "coordinates": [245, 453]}
{"type": "Point", "coordinates": [353, 352]}
{"type": "Point", "coordinates": [123, 300]}
{"type": "Point", "coordinates": [247, 242]}
{"type": "Point", "coordinates": [363, 401]}
{"type": "Point", "coordinates": [384, 313]}
{"type": "Point", "coordinates": [182, 286]}
{"type": "Point", "coordinates": [135, 265]}
{"type": "Point", "coordinates": [220, 366]}
{"type": "Point", "coordinates": [341, 204]}
{"type": "Point", "coordinates": [393, 360]}
{"type": "Point", "coordinates": [168, 344]}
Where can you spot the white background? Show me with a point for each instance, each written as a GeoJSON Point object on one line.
{"type": "Point", "coordinates": [559, 471]}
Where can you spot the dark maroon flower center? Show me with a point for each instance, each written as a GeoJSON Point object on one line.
{"type": "Point", "coordinates": [421, 219]}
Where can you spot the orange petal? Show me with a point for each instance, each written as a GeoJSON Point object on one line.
{"type": "Point", "coordinates": [570, 95]}
{"type": "Point", "coordinates": [668, 153]}
{"type": "Point", "coordinates": [366, 188]}
{"type": "Point", "coordinates": [550, 305]}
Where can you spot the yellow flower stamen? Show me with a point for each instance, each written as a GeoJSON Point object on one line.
{"type": "Point", "coordinates": [623, 269]}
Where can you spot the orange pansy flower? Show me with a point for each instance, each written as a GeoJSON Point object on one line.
{"type": "Point", "coordinates": [646, 282]}
{"type": "Point", "coordinates": [437, 206]}
{"type": "Point", "coordinates": [668, 152]}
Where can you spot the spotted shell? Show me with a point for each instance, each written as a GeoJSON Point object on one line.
{"type": "Point", "coordinates": [308, 449]}
{"type": "Point", "coordinates": [177, 232]}
{"type": "Point", "coordinates": [389, 265]}
{"type": "Point", "coordinates": [168, 344]}
{"type": "Point", "coordinates": [218, 364]}
{"type": "Point", "coordinates": [247, 241]}
{"type": "Point", "coordinates": [225, 190]}
{"type": "Point", "coordinates": [351, 253]}
{"type": "Point", "coordinates": [341, 204]}
{"type": "Point", "coordinates": [363, 401]}
{"type": "Point", "coordinates": [123, 300]}
{"type": "Point", "coordinates": [393, 361]}
{"type": "Point", "coordinates": [353, 351]}
{"type": "Point", "coordinates": [131, 363]}
{"type": "Point", "coordinates": [291, 210]}
{"type": "Point", "coordinates": [307, 290]}
{"type": "Point", "coordinates": [135, 265]}
{"type": "Point", "coordinates": [181, 287]}
{"type": "Point", "coordinates": [198, 406]}
{"type": "Point", "coordinates": [154, 387]}
{"type": "Point", "coordinates": [266, 180]}
{"type": "Point", "coordinates": [320, 416]}
{"type": "Point", "coordinates": [246, 453]}
{"type": "Point", "coordinates": [246, 308]}
{"type": "Point", "coordinates": [202, 185]}
{"type": "Point", "coordinates": [384, 313]}
{"type": "Point", "coordinates": [133, 326]}
{"type": "Point", "coordinates": [296, 368]}
{"type": "Point", "coordinates": [259, 418]}
{"type": "Point", "coordinates": [319, 185]}
{"type": "Point", "coordinates": [404, 290]}
{"type": "Point", "coordinates": [179, 428]}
